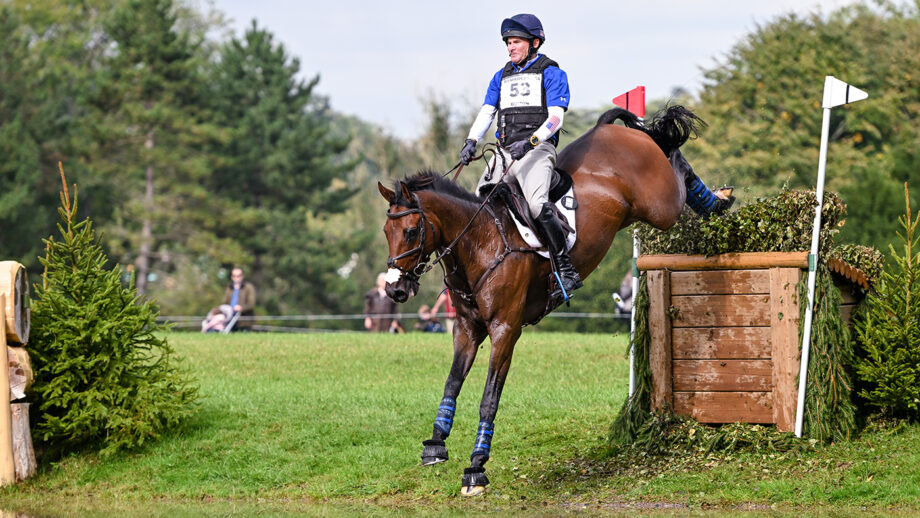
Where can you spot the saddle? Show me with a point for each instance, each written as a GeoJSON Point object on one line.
{"type": "Point", "coordinates": [512, 196]}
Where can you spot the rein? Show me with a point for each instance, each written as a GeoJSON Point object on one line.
{"type": "Point", "coordinates": [424, 265]}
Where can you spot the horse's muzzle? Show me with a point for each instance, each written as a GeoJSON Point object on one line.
{"type": "Point", "coordinates": [402, 290]}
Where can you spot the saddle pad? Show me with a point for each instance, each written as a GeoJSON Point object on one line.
{"type": "Point", "coordinates": [563, 205]}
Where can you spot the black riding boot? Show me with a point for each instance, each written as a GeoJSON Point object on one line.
{"type": "Point", "coordinates": [555, 241]}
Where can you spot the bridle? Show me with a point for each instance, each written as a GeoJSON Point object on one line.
{"type": "Point", "coordinates": [422, 266]}
{"type": "Point", "coordinates": [424, 263]}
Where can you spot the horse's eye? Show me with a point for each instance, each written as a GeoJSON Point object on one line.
{"type": "Point", "coordinates": [411, 234]}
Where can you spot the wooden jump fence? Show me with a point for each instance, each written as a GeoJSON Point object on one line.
{"type": "Point", "coordinates": [724, 335]}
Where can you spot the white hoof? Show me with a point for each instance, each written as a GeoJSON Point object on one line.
{"type": "Point", "coordinates": [433, 462]}
{"type": "Point", "coordinates": [472, 490]}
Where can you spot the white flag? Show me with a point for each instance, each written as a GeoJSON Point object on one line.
{"type": "Point", "coordinates": [836, 93]}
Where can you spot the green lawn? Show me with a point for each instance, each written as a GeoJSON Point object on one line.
{"type": "Point", "coordinates": [336, 421]}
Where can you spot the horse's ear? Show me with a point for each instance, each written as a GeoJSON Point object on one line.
{"type": "Point", "coordinates": [387, 194]}
{"type": "Point", "coordinates": [405, 191]}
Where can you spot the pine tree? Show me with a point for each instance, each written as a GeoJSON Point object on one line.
{"type": "Point", "coordinates": [284, 170]}
{"type": "Point", "coordinates": [150, 129]}
{"type": "Point", "coordinates": [104, 375]}
{"type": "Point", "coordinates": [889, 330]}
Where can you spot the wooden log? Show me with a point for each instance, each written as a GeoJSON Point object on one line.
{"type": "Point", "coordinates": [722, 375]}
{"type": "Point", "coordinates": [659, 328]}
{"type": "Point", "coordinates": [7, 470]}
{"type": "Point", "coordinates": [721, 310]}
{"type": "Point", "coordinates": [21, 375]}
{"type": "Point", "coordinates": [682, 262]}
{"type": "Point", "coordinates": [784, 329]}
{"type": "Point", "coordinates": [24, 463]}
{"type": "Point", "coordinates": [736, 343]}
{"type": "Point", "coordinates": [14, 283]}
{"type": "Point", "coordinates": [725, 407]}
{"type": "Point", "coordinates": [720, 282]}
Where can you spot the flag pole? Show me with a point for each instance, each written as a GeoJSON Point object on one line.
{"type": "Point", "coordinates": [836, 93]}
{"type": "Point", "coordinates": [632, 317]}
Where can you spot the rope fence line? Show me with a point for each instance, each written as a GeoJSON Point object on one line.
{"type": "Point", "coordinates": [193, 321]}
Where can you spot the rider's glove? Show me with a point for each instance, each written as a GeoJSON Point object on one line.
{"type": "Point", "coordinates": [468, 151]}
{"type": "Point", "coordinates": [519, 149]}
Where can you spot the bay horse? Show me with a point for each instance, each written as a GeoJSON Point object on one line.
{"type": "Point", "coordinates": [621, 174]}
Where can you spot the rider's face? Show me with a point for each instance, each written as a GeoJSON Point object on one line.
{"type": "Point", "coordinates": [517, 49]}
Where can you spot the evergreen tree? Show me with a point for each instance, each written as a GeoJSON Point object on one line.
{"type": "Point", "coordinates": [103, 372]}
{"type": "Point", "coordinates": [283, 169]}
{"type": "Point", "coordinates": [149, 128]}
{"type": "Point", "coordinates": [889, 330]}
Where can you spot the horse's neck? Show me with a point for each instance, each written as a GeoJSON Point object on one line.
{"type": "Point", "coordinates": [461, 225]}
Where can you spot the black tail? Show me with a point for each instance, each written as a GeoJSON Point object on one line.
{"type": "Point", "coordinates": [670, 128]}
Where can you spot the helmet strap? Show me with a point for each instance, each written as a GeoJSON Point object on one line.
{"type": "Point", "coordinates": [531, 51]}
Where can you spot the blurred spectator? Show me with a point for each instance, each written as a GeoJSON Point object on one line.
{"type": "Point", "coordinates": [450, 313]}
{"type": "Point", "coordinates": [427, 322]}
{"type": "Point", "coordinates": [624, 297]}
{"type": "Point", "coordinates": [217, 319]}
{"type": "Point", "coordinates": [379, 310]}
{"type": "Point", "coordinates": [241, 296]}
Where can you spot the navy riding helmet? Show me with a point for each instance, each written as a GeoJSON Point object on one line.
{"type": "Point", "coordinates": [525, 26]}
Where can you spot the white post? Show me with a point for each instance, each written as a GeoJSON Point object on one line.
{"type": "Point", "coordinates": [836, 93]}
{"type": "Point", "coordinates": [632, 321]}
{"type": "Point", "coordinates": [812, 270]}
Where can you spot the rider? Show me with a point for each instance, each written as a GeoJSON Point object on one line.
{"type": "Point", "coordinates": [530, 95]}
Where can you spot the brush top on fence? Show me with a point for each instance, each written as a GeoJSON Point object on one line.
{"type": "Point", "coordinates": [781, 223]}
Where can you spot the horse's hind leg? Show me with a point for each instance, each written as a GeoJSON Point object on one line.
{"type": "Point", "coordinates": [504, 337]}
{"type": "Point", "coordinates": [467, 337]}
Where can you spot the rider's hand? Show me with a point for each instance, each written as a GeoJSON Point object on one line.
{"type": "Point", "coordinates": [519, 149]}
{"type": "Point", "coordinates": [468, 151]}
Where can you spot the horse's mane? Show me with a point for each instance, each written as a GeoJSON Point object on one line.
{"type": "Point", "coordinates": [428, 180]}
{"type": "Point", "coordinates": [670, 128]}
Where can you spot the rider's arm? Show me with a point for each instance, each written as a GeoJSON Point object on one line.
{"type": "Point", "coordinates": [556, 86]}
{"type": "Point", "coordinates": [551, 125]}
{"type": "Point", "coordinates": [482, 122]}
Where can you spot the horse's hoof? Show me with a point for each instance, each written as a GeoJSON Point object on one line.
{"type": "Point", "coordinates": [435, 452]}
{"type": "Point", "coordinates": [429, 461]}
{"type": "Point", "coordinates": [472, 490]}
{"type": "Point", "coordinates": [474, 481]}
{"type": "Point", "coordinates": [725, 192]}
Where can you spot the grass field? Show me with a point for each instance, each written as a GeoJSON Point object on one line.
{"type": "Point", "coordinates": [334, 423]}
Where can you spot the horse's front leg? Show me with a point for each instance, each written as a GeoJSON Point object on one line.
{"type": "Point", "coordinates": [504, 337]}
{"type": "Point", "coordinates": [467, 337]}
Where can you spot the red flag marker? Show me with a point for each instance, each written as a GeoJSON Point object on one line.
{"type": "Point", "coordinates": [633, 100]}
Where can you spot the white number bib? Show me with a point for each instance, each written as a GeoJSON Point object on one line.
{"type": "Point", "coordinates": [521, 90]}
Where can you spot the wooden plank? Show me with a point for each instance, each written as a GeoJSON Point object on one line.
{"type": "Point", "coordinates": [784, 325]}
{"type": "Point", "coordinates": [659, 327]}
{"type": "Point", "coordinates": [7, 469]}
{"type": "Point", "coordinates": [721, 310]}
{"type": "Point", "coordinates": [720, 282]}
{"type": "Point", "coordinates": [681, 262]}
{"type": "Point", "coordinates": [722, 375]}
{"type": "Point", "coordinates": [725, 407]}
{"type": "Point", "coordinates": [738, 343]}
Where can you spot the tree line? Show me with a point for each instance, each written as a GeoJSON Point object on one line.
{"type": "Point", "coordinates": [193, 153]}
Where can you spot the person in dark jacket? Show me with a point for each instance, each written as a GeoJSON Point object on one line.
{"type": "Point", "coordinates": [241, 296]}
{"type": "Point", "coordinates": [379, 310]}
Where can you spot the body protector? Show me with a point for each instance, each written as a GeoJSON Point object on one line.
{"type": "Point", "coordinates": [522, 102]}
